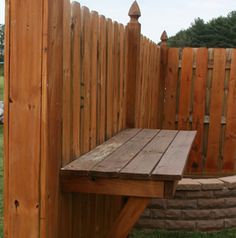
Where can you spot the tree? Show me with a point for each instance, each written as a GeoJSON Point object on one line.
{"type": "Point", "coordinates": [219, 32]}
{"type": "Point", "coordinates": [2, 43]}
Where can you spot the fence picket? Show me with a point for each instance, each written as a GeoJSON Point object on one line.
{"type": "Point", "coordinates": [230, 134]}
{"type": "Point", "coordinates": [212, 159]}
{"type": "Point", "coordinates": [195, 163]}
{"type": "Point", "coordinates": [185, 89]}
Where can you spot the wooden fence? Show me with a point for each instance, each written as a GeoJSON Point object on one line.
{"type": "Point", "coordinates": [93, 104]}
{"type": "Point", "coordinates": [200, 95]}
{"type": "Point", "coordinates": [73, 80]}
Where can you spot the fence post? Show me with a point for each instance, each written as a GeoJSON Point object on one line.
{"type": "Point", "coordinates": [164, 60]}
{"type": "Point", "coordinates": [133, 30]}
{"type": "Point", "coordinates": [32, 130]}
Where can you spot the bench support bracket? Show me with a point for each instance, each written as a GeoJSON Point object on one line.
{"type": "Point", "coordinates": [128, 217]}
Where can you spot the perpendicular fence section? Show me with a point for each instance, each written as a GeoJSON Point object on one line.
{"type": "Point", "coordinates": [148, 85]}
{"type": "Point", "coordinates": [199, 95]}
{"type": "Point", "coordinates": [94, 80]}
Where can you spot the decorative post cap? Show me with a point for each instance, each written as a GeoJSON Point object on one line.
{"type": "Point", "coordinates": [164, 37]}
{"type": "Point", "coordinates": [134, 12]}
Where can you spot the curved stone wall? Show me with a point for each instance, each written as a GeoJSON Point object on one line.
{"type": "Point", "coordinates": [199, 205]}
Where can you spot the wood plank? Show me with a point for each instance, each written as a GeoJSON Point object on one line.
{"type": "Point", "coordinates": [67, 83]}
{"type": "Point", "coordinates": [110, 88]}
{"type": "Point", "coordinates": [143, 164]}
{"type": "Point", "coordinates": [51, 130]}
{"type": "Point", "coordinates": [76, 77]}
{"type": "Point", "coordinates": [217, 91]}
{"type": "Point", "coordinates": [185, 89]}
{"type": "Point", "coordinates": [6, 214]}
{"type": "Point", "coordinates": [139, 85]}
{"type": "Point", "coordinates": [195, 158]}
{"type": "Point", "coordinates": [171, 89]}
{"type": "Point", "coordinates": [114, 162]}
{"type": "Point", "coordinates": [86, 162]}
{"type": "Point", "coordinates": [230, 134]}
{"type": "Point", "coordinates": [86, 77]}
{"type": "Point", "coordinates": [124, 187]}
{"type": "Point", "coordinates": [133, 29]}
{"type": "Point", "coordinates": [159, 87]}
{"type": "Point", "coordinates": [122, 77]}
{"type": "Point", "coordinates": [173, 161]}
{"type": "Point", "coordinates": [128, 217]}
{"type": "Point", "coordinates": [24, 80]}
{"type": "Point", "coordinates": [115, 77]}
{"type": "Point", "coordinates": [102, 79]}
{"type": "Point", "coordinates": [94, 78]}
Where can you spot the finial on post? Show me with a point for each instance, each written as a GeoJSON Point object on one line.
{"type": "Point", "coordinates": [164, 38]}
{"type": "Point", "coordinates": [134, 12]}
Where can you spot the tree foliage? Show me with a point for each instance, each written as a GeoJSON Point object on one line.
{"type": "Point", "coordinates": [219, 32]}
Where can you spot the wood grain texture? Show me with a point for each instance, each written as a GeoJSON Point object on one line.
{"type": "Point", "coordinates": [149, 157]}
{"type": "Point", "coordinates": [24, 98]}
{"type": "Point", "coordinates": [171, 78]}
{"type": "Point", "coordinates": [138, 188]}
{"type": "Point", "coordinates": [86, 162]}
{"type": "Point", "coordinates": [6, 119]}
{"type": "Point", "coordinates": [94, 78]}
{"type": "Point", "coordinates": [86, 79]}
{"type": "Point", "coordinates": [52, 96]}
{"type": "Point", "coordinates": [136, 154]}
{"type": "Point", "coordinates": [102, 80]}
{"type": "Point", "coordinates": [114, 162]}
{"type": "Point", "coordinates": [185, 89]}
{"type": "Point", "coordinates": [173, 161]}
{"type": "Point", "coordinates": [216, 103]}
{"type": "Point", "coordinates": [133, 52]}
{"type": "Point", "coordinates": [230, 134]}
{"type": "Point", "coordinates": [110, 79]}
{"type": "Point", "coordinates": [196, 155]}
{"type": "Point", "coordinates": [128, 217]}
{"type": "Point", "coordinates": [67, 84]}
{"type": "Point", "coordinates": [76, 78]}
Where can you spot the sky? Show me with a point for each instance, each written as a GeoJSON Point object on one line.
{"type": "Point", "coordinates": [158, 15]}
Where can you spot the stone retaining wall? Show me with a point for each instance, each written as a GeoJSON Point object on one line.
{"type": "Point", "coordinates": [199, 205]}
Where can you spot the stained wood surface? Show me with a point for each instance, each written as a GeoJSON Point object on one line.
{"type": "Point", "coordinates": [137, 154]}
{"type": "Point", "coordinates": [185, 90]}
{"type": "Point", "coordinates": [24, 52]}
{"type": "Point", "coordinates": [171, 79]}
{"type": "Point", "coordinates": [195, 159]}
{"type": "Point", "coordinates": [112, 186]}
{"type": "Point", "coordinates": [174, 159]}
{"type": "Point", "coordinates": [212, 161]}
{"type": "Point", "coordinates": [128, 217]}
{"type": "Point", "coordinates": [229, 155]}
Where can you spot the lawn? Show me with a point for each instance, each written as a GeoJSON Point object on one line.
{"type": "Point", "coordinates": [165, 234]}
{"type": "Point", "coordinates": [136, 233]}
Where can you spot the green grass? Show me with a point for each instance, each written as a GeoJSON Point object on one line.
{"type": "Point", "coordinates": [168, 234]}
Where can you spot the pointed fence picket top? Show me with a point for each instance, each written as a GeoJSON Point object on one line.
{"type": "Point", "coordinates": [134, 12]}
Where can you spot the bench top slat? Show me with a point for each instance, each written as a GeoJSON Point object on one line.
{"type": "Point", "coordinates": [149, 157]}
{"type": "Point", "coordinates": [87, 161]}
{"type": "Point", "coordinates": [113, 163]}
{"type": "Point", "coordinates": [173, 161]}
{"type": "Point", "coordinates": [137, 154]}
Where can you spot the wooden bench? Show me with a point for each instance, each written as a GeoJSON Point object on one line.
{"type": "Point", "coordinates": [137, 163]}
